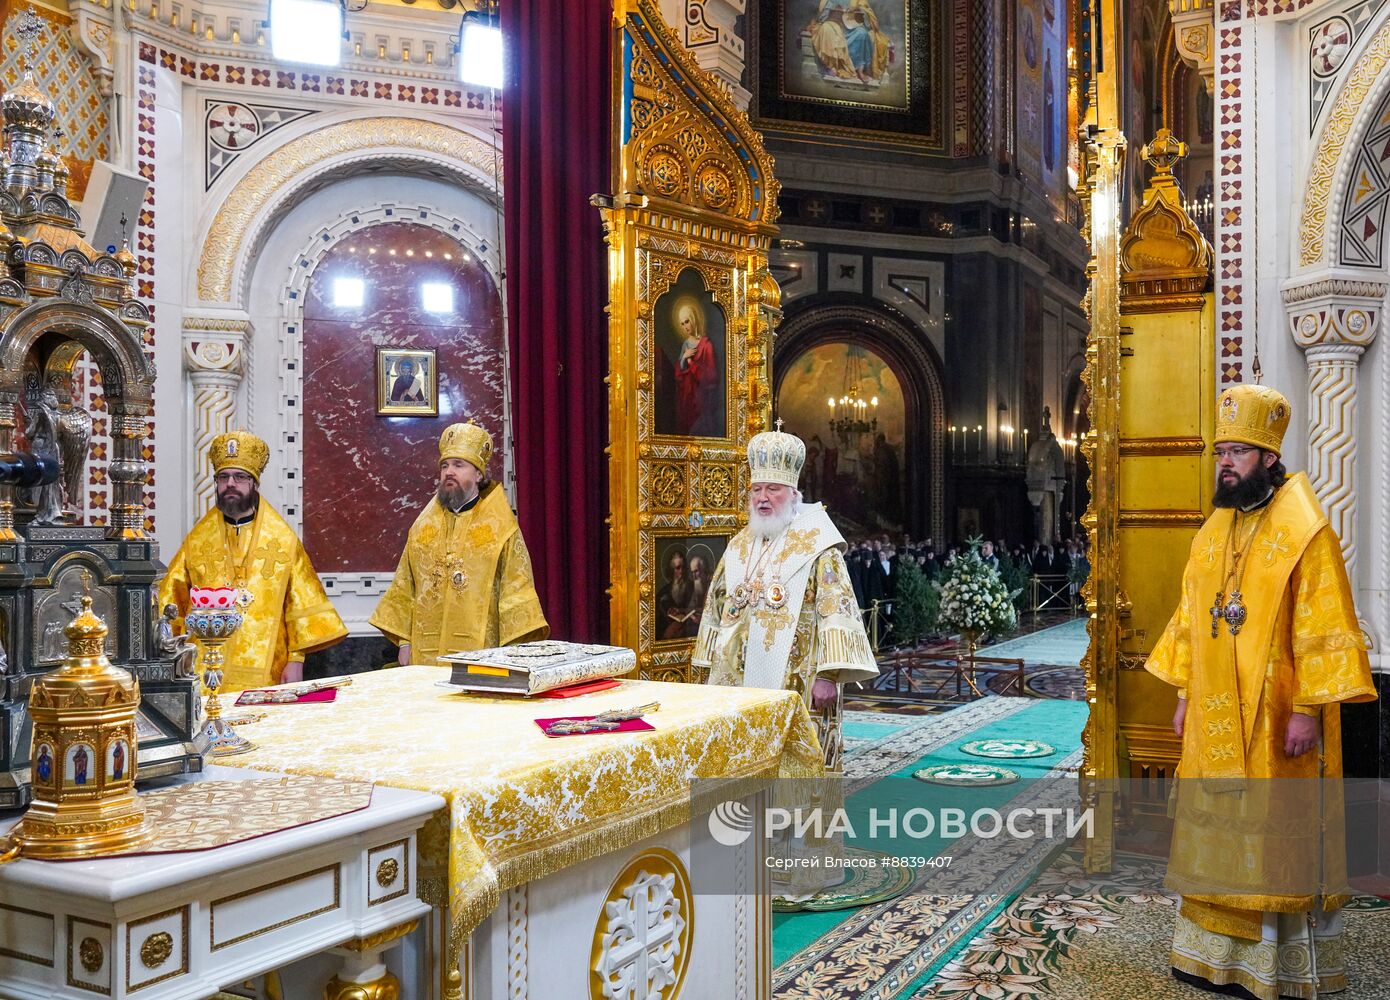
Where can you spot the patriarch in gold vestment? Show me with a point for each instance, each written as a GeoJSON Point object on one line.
{"type": "Point", "coordinates": [464, 580]}
{"type": "Point", "coordinates": [242, 542]}
{"type": "Point", "coordinates": [1263, 649]}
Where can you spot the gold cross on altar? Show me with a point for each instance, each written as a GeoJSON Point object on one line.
{"type": "Point", "coordinates": [270, 557]}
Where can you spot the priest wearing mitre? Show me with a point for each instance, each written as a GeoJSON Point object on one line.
{"type": "Point", "coordinates": [243, 542]}
{"type": "Point", "coordinates": [780, 612]}
{"type": "Point", "coordinates": [464, 580]}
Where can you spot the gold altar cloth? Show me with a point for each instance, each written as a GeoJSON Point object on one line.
{"type": "Point", "coordinates": [522, 806]}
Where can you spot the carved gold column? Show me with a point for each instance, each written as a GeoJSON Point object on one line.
{"type": "Point", "coordinates": [213, 347]}
{"type": "Point", "coordinates": [691, 218]}
{"type": "Point", "coordinates": [1334, 320]}
{"type": "Point", "coordinates": [1104, 148]}
{"type": "Point", "coordinates": [1167, 409]}
{"type": "Point", "coordinates": [363, 975]}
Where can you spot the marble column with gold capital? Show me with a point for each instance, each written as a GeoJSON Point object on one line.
{"type": "Point", "coordinates": [1334, 320]}
{"type": "Point", "coordinates": [213, 349]}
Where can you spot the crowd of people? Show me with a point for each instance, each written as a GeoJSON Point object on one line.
{"type": "Point", "coordinates": [876, 561]}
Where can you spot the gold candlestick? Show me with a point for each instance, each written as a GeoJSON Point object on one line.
{"type": "Point", "coordinates": [212, 629]}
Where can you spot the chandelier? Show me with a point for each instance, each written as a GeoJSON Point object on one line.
{"type": "Point", "coordinates": [850, 415]}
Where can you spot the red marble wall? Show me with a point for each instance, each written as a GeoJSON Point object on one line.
{"type": "Point", "coordinates": [367, 476]}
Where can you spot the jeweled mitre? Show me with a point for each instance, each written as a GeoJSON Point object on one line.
{"type": "Point", "coordinates": [776, 457]}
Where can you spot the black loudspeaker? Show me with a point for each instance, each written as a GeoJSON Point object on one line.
{"type": "Point", "coordinates": [111, 194]}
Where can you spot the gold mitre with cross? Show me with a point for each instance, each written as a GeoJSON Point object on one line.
{"type": "Point", "coordinates": [776, 457]}
{"type": "Point", "coordinates": [468, 441]}
{"type": "Point", "coordinates": [239, 450]}
{"type": "Point", "coordinates": [1253, 414]}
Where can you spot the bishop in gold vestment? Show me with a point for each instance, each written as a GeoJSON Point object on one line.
{"type": "Point", "coordinates": [1263, 649]}
{"type": "Point", "coordinates": [244, 543]}
{"type": "Point", "coordinates": [464, 580]}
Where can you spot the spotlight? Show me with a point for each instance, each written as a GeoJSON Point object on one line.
{"type": "Point", "coordinates": [480, 47]}
{"type": "Point", "coordinates": [307, 31]}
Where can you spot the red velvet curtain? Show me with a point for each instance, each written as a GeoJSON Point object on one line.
{"type": "Point", "coordinates": [556, 150]}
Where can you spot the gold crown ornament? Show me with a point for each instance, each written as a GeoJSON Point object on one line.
{"type": "Point", "coordinates": [1253, 414]}
{"type": "Point", "coordinates": [84, 750]}
{"type": "Point", "coordinates": [776, 457]}
{"type": "Point", "coordinates": [468, 441]}
{"type": "Point", "coordinates": [239, 450]}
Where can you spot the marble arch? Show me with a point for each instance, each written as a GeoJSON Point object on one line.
{"type": "Point", "coordinates": [276, 182]}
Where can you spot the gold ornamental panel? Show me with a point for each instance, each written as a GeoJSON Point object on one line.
{"type": "Point", "coordinates": [156, 949]}
{"type": "Point", "coordinates": [688, 231]}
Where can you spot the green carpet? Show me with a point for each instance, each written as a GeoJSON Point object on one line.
{"type": "Point", "coordinates": [821, 954]}
{"type": "Point", "coordinates": [1061, 645]}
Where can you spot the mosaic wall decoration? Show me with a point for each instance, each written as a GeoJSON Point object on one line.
{"type": "Point", "coordinates": [65, 74]}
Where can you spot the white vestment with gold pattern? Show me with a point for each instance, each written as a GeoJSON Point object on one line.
{"type": "Point", "coordinates": [814, 631]}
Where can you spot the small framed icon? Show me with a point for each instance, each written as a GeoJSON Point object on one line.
{"type": "Point", "coordinates": [407, 383]}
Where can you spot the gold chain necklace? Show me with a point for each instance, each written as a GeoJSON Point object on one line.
{"type": "Point", "coordinates": [752, 590]}
{"type": "Point", "coordinates": [239, 572]}
{"type": "Point", "coordinates": [1234, 612]}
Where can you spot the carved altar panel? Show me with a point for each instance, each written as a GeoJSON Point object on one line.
{"type": "Point", "coordinates": [691, 309]}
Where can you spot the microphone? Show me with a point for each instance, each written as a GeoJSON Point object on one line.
{"type": "Point", "coordinates": [28, 471]}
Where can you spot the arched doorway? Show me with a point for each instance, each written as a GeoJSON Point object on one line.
{"type": "Point", "coordinates": [813, 348]}
{"type": "Point", "coordinates": [845, 402]}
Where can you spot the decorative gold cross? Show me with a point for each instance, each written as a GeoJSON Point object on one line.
{"type": "Point", "coordinates": [772, 623]}
{"type": "Point", "coordinates": [1276, 546]}
{"type": "Point", "coordinates": [270, 557]}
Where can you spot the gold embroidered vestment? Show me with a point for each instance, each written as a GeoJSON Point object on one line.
{"type": "Point", "coordinates": [289, 614]}
{"type": "Point", "coordinates": [463, 582]}
{"type": "Point", "coordinates": [1241, 845]}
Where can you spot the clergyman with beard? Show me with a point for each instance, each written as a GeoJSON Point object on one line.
{"type": "Point", "coordinates": [464, 580]}
{"type": "Point", "coordinates": [780, 611]}
{"type": "Point", "coordinates": [1263, 649]}
{"type": "Point", "coordinates": [244, 543]}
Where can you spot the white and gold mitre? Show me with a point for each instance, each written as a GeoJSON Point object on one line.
{"type": "Point", "coordinates": [776, 457]}
{"type": "Point", "coordinates": [467, 441]}
{"type": "Point", "coordinates": [1253, 414]}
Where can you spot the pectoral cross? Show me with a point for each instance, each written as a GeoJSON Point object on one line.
{"type": "Point", "coordinates": [1217, 613]}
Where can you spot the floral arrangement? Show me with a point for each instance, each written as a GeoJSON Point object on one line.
{"type": "Point", "coordinates": [974, 598]}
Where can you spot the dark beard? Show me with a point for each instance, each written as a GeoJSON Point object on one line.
{"type": "Point", "coordinates": [452, 497]}
{"type": "Point", "coordinates": [234, 506]}
{"type": "Point", "coordinates": [1244, 492]}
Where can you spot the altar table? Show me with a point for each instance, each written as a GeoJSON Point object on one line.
{"type": "Point", "coordinates": [182, 926]}
{"type": "Point", "coordinates": [574, 834]}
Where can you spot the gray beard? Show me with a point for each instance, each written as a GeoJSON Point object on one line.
{"type": "Point", "coordinates": [680, 592]}
{"type": "Point", "coordinates": [769, 527]}
{"type": "Point", "coordinates": [452, 497]}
